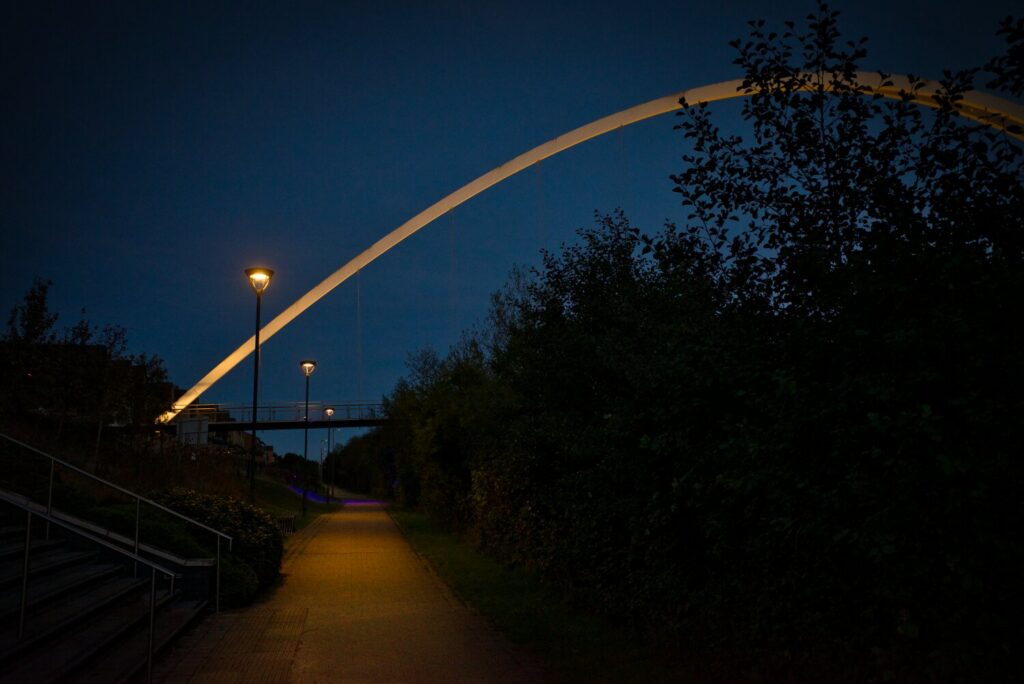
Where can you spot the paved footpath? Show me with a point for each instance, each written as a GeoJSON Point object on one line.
{"type": "Point", "coordinates": [356, 605]}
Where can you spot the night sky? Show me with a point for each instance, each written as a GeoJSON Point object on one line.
{"type": "Point", "coordinates": [150, 153]}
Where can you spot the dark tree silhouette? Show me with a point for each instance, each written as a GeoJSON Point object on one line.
{"type": "Point", "coordinates": [787, 426]}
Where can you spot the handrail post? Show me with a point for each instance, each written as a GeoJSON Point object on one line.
{"type": "Point", "coordinates": [138, 513]}
{"type": "Point", "coordinates": [24, 576]}
{"type": "Point", "coordinates": [49, 498]}
{"type": "Point", "coordinates": [217, 597]}
{"type": "Point", "coordinates": [152, 616]}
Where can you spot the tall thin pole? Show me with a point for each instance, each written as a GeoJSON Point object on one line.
{"type": "Point", "coordinates": [305, 449]}
{"type": "Point", "coordinates": [255, 396]}
{"type": "Point", "coordinates": [330, 461]}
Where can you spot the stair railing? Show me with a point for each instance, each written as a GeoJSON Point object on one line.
{"type": "Point", "coordinates": [26, 506]}
{"type": "Point", "coordinates": [139, 500]}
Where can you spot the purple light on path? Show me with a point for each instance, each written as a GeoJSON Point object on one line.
{"type": "Point", "coordinates": [312, 496]}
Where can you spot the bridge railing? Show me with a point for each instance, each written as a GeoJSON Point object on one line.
{"type": "Point", "coordinates": [290, 411]}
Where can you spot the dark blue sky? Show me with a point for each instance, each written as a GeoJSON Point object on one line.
{"type": "Point", "coordinates": [151, 152]}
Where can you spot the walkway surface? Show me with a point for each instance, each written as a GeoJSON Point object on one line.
{"type": "Point", "coordinates": [356, 605]}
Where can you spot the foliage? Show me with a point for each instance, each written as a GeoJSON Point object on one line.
{"type": "Point", "coordinates": [574, 645]}
{"type": "Point", "coordinates": [238, 582]}
{"type": "Point", "coordinates": [81, 374]}
{"type": "Point", "coordinates": [298, 468]}
{"type": "Point", "coordinates": [257, 539]}
{"type": "Point", "coordinates": [365, 464]}
{"type": "Point", "coordinates": [31, 322]}
{"type": "Point", "coordinates": [1007, 69]}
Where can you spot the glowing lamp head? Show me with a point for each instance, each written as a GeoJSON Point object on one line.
{"type": "Point", "coordinates": [308, 366]}
{"type": "Point", "coordinates": [259, 278]}
{"type": "Point", "coordinates": [329, 411]}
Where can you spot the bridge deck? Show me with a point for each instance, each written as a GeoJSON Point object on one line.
{"type": "Point", "coordinates": [236, 426]}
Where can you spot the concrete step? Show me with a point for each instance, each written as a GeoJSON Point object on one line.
{"type": "Point", "coordinates": [56, 585]}
{"type": "Point", "coordinates": [40, 564]}
{"type": "Point", "coordinates": [128, 659]}
{"type": "Point", "coordinates": [62, 656]}
{"type": "Point", "coordinates": [16, 549]}
{"type": "Point", "coordinates": [47, 623]}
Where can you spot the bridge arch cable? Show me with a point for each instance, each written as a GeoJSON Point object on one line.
{"type": "Point", "coordinates": [359, 336]}
{"type": "Point", "coordinates": [623, 175]}
{"type": "Point", "coordinates": [453, 317]}
{"type": "Point", "coordinates": [542, 237]}
{"type": "Point", "coordinates": [983, 108]}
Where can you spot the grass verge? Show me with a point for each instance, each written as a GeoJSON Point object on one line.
{"type": "Point", "coordinates": [573, 646]}
{"type": "Point", "coordinates": [277, 500]}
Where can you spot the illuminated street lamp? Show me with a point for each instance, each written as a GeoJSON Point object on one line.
{"type": "Point", "coordinates": [259, 278]}
{"type": "Point", "coordinates": [307, 367]}
{"type": "Point", "coordinates": [329, 412]}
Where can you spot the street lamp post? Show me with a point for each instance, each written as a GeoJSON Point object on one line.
{"type": "Point", "coordinates": [259, 278]}
{"type": "Point", "coordinates": [307, 366]}
{"type": "Point", "coordinates": [329, 411]}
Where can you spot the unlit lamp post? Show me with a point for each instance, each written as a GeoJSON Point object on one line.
{"type": "Point", "coordinates": [307, 367]}
{"type": "Point", "coordinates": [329, 412]}
{"type": "Point", "coordinates": [259, 278]}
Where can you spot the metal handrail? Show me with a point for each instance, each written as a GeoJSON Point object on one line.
{"type": "Point", "coordinates": [50, 519]}
{"type": "Point", "coordinates": [26, 505]}
{"type": "Point", "coordinates": [138, 501]}
{"type": "Point", "coordinates": [119, 488]}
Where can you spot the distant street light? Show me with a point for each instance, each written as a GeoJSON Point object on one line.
{"type": "Point", "coordinates": [307, 367]}
{"type": "Point", "coordinates": [259, 278]}
{"type": "Point", "coordinates": [329, 411]}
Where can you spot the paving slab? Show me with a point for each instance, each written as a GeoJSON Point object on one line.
{"type": "Point", "coordinates": [356, 604]}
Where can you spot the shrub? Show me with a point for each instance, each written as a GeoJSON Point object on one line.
{"type": "Point", "coordinates": [257, 539]}
{"type": "Point", "coordinates": [238, 582]}
{"type": "Point", "coordinates": [163, 531]}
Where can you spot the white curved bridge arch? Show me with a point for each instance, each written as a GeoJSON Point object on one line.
{"type": "Point", "coordinates": [977, 106]}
